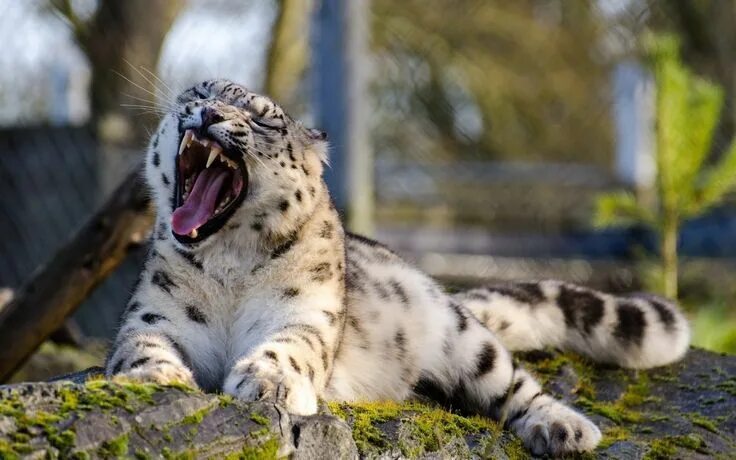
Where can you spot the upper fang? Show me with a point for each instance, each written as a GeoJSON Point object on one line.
{"type": "Point", "coordinates": [213, 156]}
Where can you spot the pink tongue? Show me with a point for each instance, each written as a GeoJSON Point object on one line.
{"type": "Point", "coordinates": [200, 204]}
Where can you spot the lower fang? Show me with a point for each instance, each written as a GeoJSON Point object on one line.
{"type": "Point", "coordinates": [193, 233]}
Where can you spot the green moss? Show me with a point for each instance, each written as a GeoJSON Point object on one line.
{"type": "Point", "coordinates": [612, 435]}
{"type": "Point", "coordinates": [197, 417]}
{"type": "Point", "coordinates": [7, 452]}
{"type": "Point", "coordinates": [225, 400]}
{"type": "Point", "coordinates": [691, 441]}
{"type": "Point", "coordinates": [167, 437]}
{"type": "Point", "coordinates": [260, 419]}
{"type": "Point", "coordinates": [660, 449]}
{"type": "Point", "coordinates": [613, 411]}
{"type": "Point", "coordinates": [64, 441]}
{"type": "Point", "coordinates": [702, 421]}
{"type": "Point", "coordinates": [141, 455]}
{"type": "Point", "coordinates": [429, 428]}
{"type": "Point", "coordinates": [267, 450]}
{"type": "Point", "coordinates": [666, 448]}
{"type": "Point", "coordinates": [114, 448]}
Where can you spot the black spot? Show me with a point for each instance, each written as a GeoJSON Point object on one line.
{"type": "Point", "coordinates": [152, 318]}
{"type": "Point", "coordinates": [462, 320]}
{"type": "Point", "coordinates": [283, 164]}
{"type": "Point", "coordinates": [477, 295]}
{"type": "Point", "coordinates": [294, 365]}
{"type": "Point", "coordinates": [271, 355]}
{"type": "Point", "coordinates": [298, 195]}
{"type": "Point", "coordinates": [162, 280]}
{"type": "Point", "coordinates": [291, 292]}
{"type": "Point", "coordinates": [517, 386]}
{"type": "Point", "coordinates": [582, 309]}
{"type": "Point", "coordinates": [321, 272]}
{"type": "Point", "coordinates": [257, 226]}
{"type": "Point", "coordinates": [400, 341]}
{"type": "Point", "coordinates": [310, 372]}
{"type": "Point", "coordinates": [132, 308]}
{"type": "Point", "coordinates": [306, 171]}
{"type": "Point", "coordinates": [381, 290]}
{"type": "Point", "coordinates": [307, 329]}
{"type": "Point", "coordinates": [331, 317]}
{"type": "Point", "coordinates": [156, 159]}
{"type": "Point", "coordinates": [189, 257]}
{"type": "Point", "coordinates": [139, 362]}
{"type": "Point", "coordinates": [516, 416]}
{"type": "Point", "coordinates": [503, 326]}
{"type": "Point", "coordinates": [326, 230]}
{"type": "Point", "coordinates": [312, 191]}
{"type": "Point", "coordinates": [282, 249]}
{"type": "Point", "coordinates": [485, 360]}
{"type": "Point", "coordinates": [196, 315]}
{"type": "Point", "coordinates": [663, 311]}
{"type": "Point", "coordinates": [148, 345]}
{"type": "Point", "coordinates": [117, 367]}
{"type": "Point", "coordinates": [284, 205]}
{"type": "Point", "coordinates": [325, 361]}
{"type": "Point", "coordinates": [631, 324]}
{"type": "Point", "coordinates": [367, 241]}
{"type": "Point", "coordinates": [399, 291]}
{"type": "Point", "coordinates": [155, 141]}
{"type": "Point", "coordinates": [164, 179]}
{"type": "Point", "coordinates": [528, 293]}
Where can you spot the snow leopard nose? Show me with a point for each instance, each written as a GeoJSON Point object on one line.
{"type": "Point", "coordinates": [210, 116]}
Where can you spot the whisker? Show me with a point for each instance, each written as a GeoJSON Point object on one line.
{"type": "Point", "coordinates": [167, 106]}
{"type": "Point", "coordinates": [134, 83]}
{"type": "Point", "coordinates": [171, 91]}
{"type": "Point", "coordinates": [162, 93]}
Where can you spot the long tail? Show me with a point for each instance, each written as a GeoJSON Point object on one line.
{"type": "Point", "coordinates": [636, 331]}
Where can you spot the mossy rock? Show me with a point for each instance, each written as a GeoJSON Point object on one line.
{"type": "Point", "coordinates": [681, 411]}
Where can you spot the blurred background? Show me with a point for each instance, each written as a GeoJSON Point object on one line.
{"type": "Point", "coordinates": [583, 140]}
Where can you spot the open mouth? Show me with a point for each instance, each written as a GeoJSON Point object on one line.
{"type": "Point", "coordinates": [210, 185]}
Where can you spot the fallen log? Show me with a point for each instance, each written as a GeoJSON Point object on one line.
{"type": "Point", "coordinates": [56, 289]}
{"type": "Point", "coordinates": [685, 410]}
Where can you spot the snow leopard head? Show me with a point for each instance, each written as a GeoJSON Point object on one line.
{"type": "Point", "coordinates": [226, 157]}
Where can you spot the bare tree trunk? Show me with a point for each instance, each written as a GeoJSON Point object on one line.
{"type": "Point", "coordinates": [122, 35]}
{"type": "Point", "coordinates": [289, 51]}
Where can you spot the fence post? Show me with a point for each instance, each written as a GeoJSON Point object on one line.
{"type": "Point", "coordinates": [340, 72]}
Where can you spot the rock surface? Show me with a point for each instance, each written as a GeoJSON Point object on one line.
{"type": "Point", "coordinates": [686, 410]}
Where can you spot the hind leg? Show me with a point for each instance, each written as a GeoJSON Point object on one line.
{"type": "Point", "coordinates": [477, 374]}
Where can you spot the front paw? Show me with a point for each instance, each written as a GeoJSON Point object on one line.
{"type": "Point", "coordinates": [552, 428]}
{"type": "Point", "coordinates": [162, 373]}
{"type": "Point", "coordinates": [255, 380]}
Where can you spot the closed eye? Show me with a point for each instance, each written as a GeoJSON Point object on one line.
{"type": "Point", "coordinates": [268, 124]}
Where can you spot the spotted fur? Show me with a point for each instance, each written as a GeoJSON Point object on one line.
{"type": "Point", "coordinates": [282, 304]}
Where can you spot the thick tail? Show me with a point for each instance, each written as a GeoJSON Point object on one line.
{"type": "Point", "coordinates": [637, 331]}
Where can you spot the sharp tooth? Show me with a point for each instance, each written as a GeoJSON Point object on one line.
{"type": "Point", "coordinates": [193, 233]}
{"type": "Point", "coordinates": [213, 156]}
{"type": "Point", "coordinates": [185, 141]}
{"type": "Point", "coordinates": [205, 142]}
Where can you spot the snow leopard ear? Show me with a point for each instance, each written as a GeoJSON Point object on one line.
{"type": "Point", "coordinates": [319, 143]}
{"type": "Point", "coordinates": [316, 134]}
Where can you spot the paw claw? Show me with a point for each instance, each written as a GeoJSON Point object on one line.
{"type": "Point", "coordinates": [264, 381]}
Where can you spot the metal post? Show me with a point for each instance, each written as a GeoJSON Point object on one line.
{"type": "Point", "coordinates": [341, 105]}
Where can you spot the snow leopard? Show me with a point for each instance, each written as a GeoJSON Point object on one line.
{"type": "Point", "coordinates": [254, 288]}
